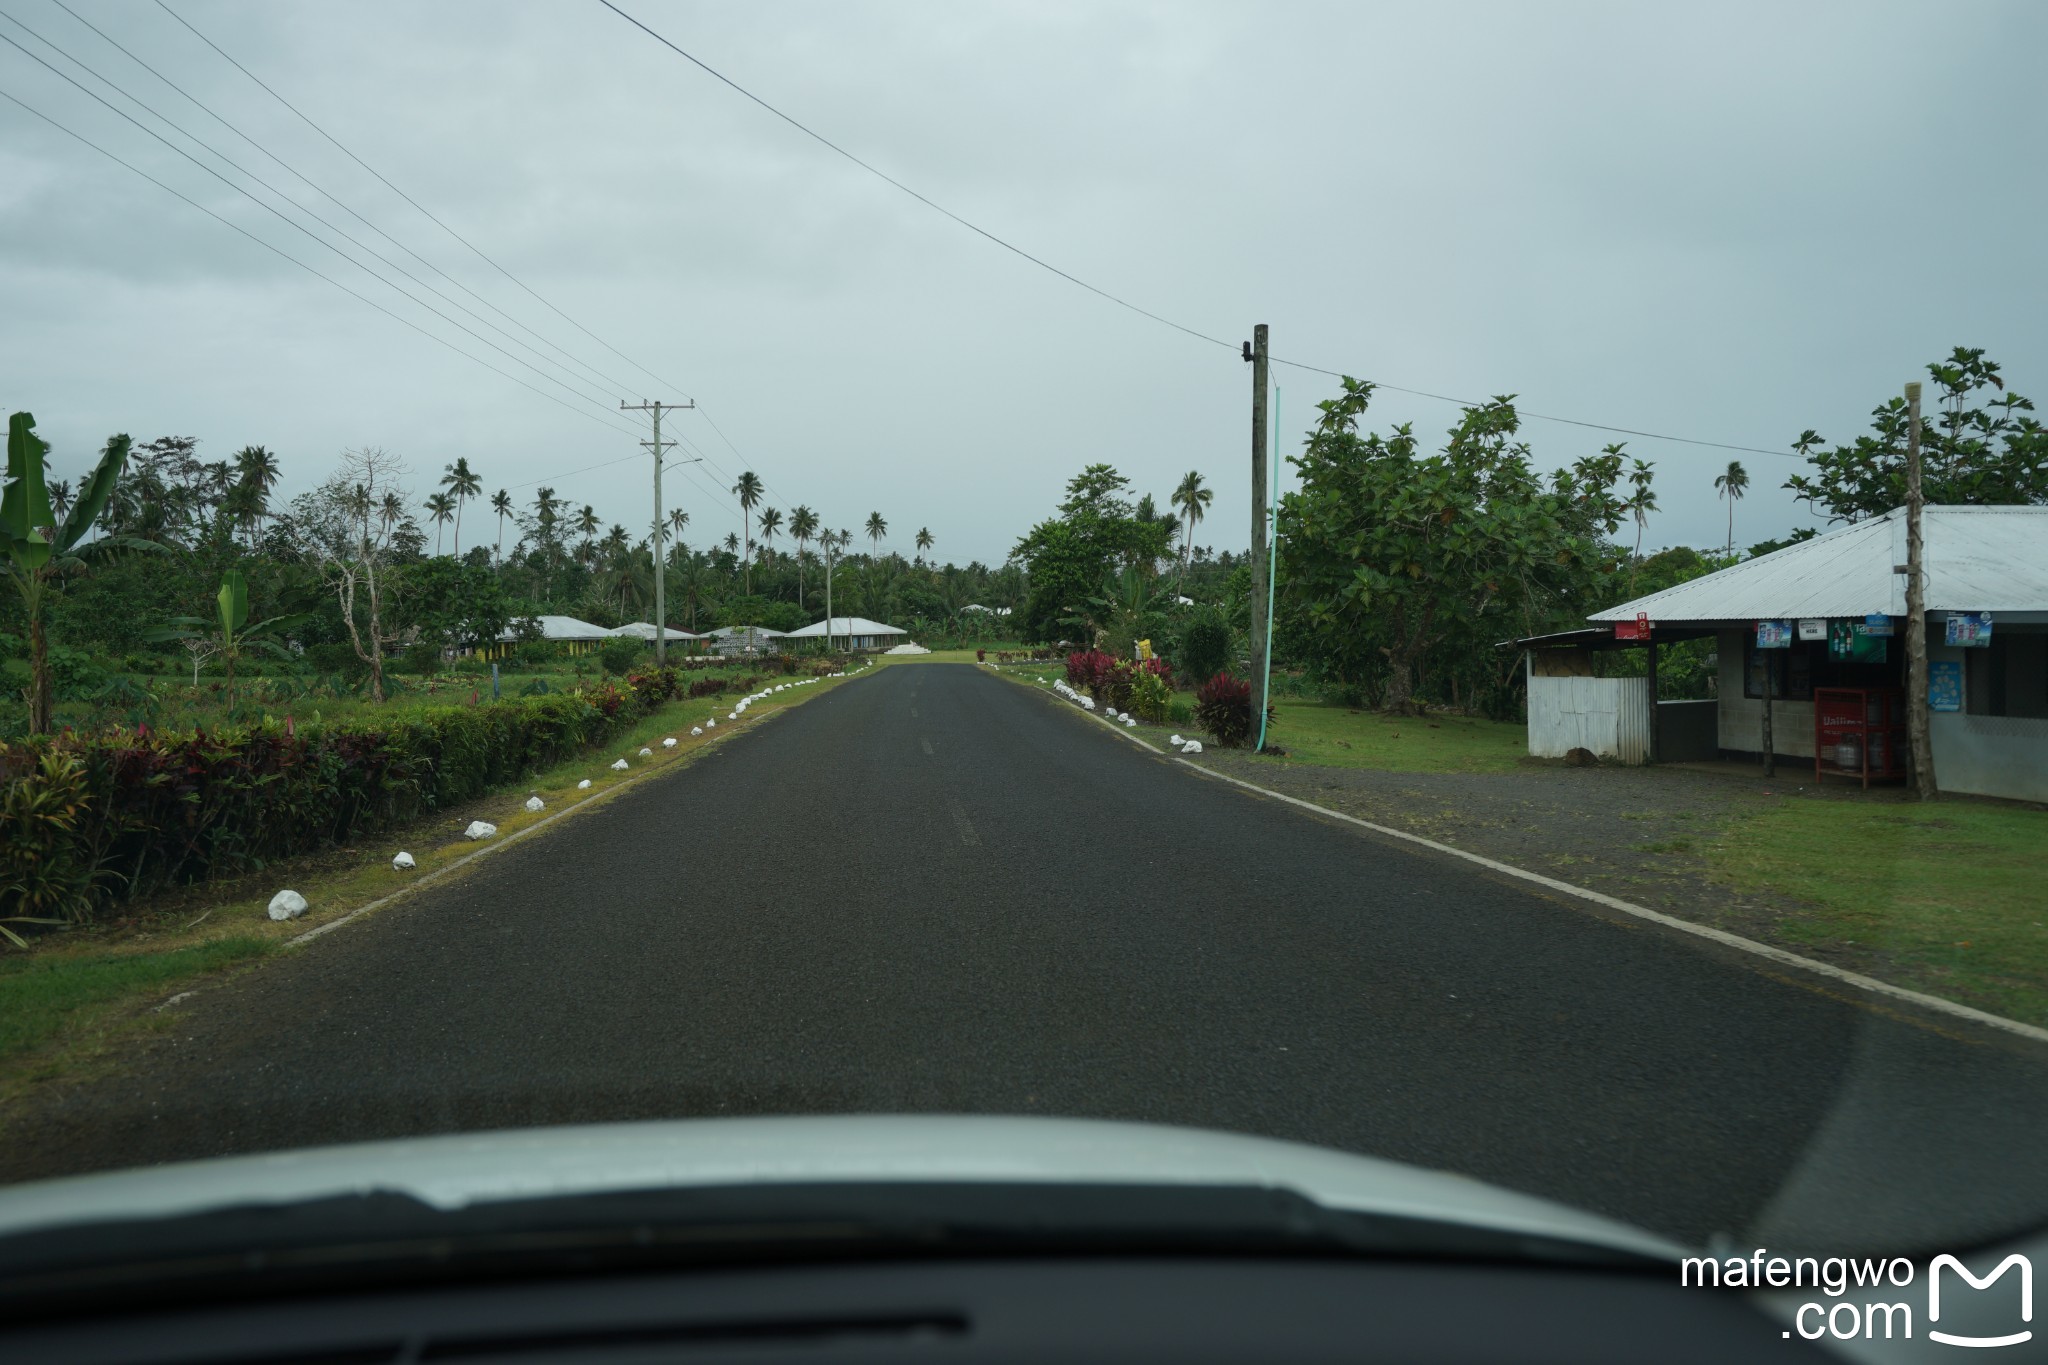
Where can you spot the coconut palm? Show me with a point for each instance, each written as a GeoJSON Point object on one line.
{"type": "Point", "coordinates": [257, 470]}
{"type": "Point", "coordinates": [1193, 500]}
{"type": "Point", "coordinates": [587, 525]}
{"type": "Point", "coordinates": [390, 511]}
{"type": "Point", "coordinates": [1731, 484]}
{"type": "Point", "coordinates": [501, 503]}
{"type": "Point", "coordinates": [1640, 504]}
{"type": "Point", "coordinates": [732, 543]}
{"type": "Point", "coordinates": [748, 490]}
{"type": "Point", "coordinates": [803, 524]}
{"type": "Point", "coordinates": [770, 522]}
{"type": "Point", "coordinates": [924, 541]}
{"type": "Point", "coordinates": [60, 499]}
{"type": "Point", "coordinates": [677, 520]}
{"type": "Point", "coordinates": [464, 483]}
{"type": "Point", "coordinates": [441, 507]}
{"type": "Point", "coordinates": [876, 529]}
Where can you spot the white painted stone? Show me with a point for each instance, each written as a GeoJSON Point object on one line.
{"type": "Point", "coordinates": [669, 743]}
{"type": "Point", "coordinates": [535, 803]}
{"type": "Point", "coordinates": [402, 863]}
{"type": "Point", "coordinates": [647, 753]}
{"type": "Point", "coordinates": [584, 785]}
{"type": "Point", "coordinates": [1175, 741]}
{"type": "Point", "coordinates": [479, 829]}
{"type": "Point", "coordinates": [287, 905]}
{"type": "Point", "coordinates": [696, 730]}
{"type": "Point", "coordinates": [1193, 746]}
{"type": "Point", "coordinates": [621, 766]}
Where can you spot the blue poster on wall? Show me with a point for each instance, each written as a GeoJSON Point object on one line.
{"type": "Point", "coordinates": [1945, 685]}
{"type": "Point", "coordinates": [1774, 635]}
{"type": "Point", "coordinates": [1969, 629]}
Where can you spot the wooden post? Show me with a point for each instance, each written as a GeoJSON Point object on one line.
{"type": "Point", "coordinates": [1770, 686]}
{"type": "Point", "coordinates": [1258, 604]}
{"type": "Point", "coordinates": [1650, 683]}
{"type": "Point", "coordinates": [1919, 734]}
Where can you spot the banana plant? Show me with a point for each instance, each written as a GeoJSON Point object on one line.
{"type": "Point", "coordinates": [39, 550]}
{"type": "Point", "coordinates": [232, 625]}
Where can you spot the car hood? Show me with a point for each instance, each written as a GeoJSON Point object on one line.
{"type": "Point", "coordinates": [458, 1170]}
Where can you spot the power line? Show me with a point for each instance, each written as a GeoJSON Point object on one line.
{"type": "Point", "coordinates": [345, 207]}
{"type": "Point", "coordinates": [277, 250]}
{"type": "Point", "coordinates": [297, 227]}
{"type": "Point", "coordinates": [476, 250]}
{"type": "Point", "coordinates": [473, 247]}
{"type": "Point", "coordinates": [1094, 289]}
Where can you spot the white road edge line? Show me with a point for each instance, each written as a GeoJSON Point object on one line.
{"type": "Point", "coordinates": [1720, 936]}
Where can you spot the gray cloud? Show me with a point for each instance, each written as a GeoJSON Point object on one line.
{"type": "Point", "coordinates": [1731, 223]}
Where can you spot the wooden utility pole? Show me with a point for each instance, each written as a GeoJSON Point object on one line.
{"type": "Point", "coordinates": [1918, 736]}
{"type": "Point", "coordinates": [657, 445]}
{"type": "Point", "coordinates": [1256, 354]}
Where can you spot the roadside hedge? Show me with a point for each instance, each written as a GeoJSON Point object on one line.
{"type": "Point", "coordinates": [88, 822]}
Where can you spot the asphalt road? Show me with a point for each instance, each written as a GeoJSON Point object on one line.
{"type": "Point", "coordinates": [931, 889]}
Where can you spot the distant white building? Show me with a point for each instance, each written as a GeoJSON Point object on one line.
{"type": "Point", "coordinates": [742, 639]}
{"type": "Point", "coordinates": [854, 632]}
{"type": "Point", "coordinates": [577, 635]}
{"type": "Point", "coordinates": [644, 630]}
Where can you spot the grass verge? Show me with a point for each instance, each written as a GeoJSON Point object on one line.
{"type": "Point", "coordinates": [77, 996]}
{"type": "Point", "coordinates": [1948, 895]}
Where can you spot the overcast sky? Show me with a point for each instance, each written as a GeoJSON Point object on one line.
{"type": "Point", "coordinates": [1712, 221]}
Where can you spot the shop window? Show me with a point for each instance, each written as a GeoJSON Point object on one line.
{"type": "Point", "coordinates": [2009, 678]}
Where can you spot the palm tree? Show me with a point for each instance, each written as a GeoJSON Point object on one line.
{"type": "Point", "coordinates": [501, 503]}
{"type": "Point", "coordinates": [441, 508]}
{"type": "Point", "coordinates": [587, 526]}
{"type": "Point", "coordinates": [876, 529]}
{"type": "Point", "coordinates": [803, 524]}
{"type": "Point", "coordinates": [1640, 504]}
{"type": "Point", "coordinates": [60, 499]}
{"type": "Point", "coordinates": [390, 512]}
{"type": "Point", "coordinates": [677, 520]}
{"type": "Point", "coordinates": [464, 483]}
{"type": "Point", "coordinates": [771, 522]}
{"type": "Point", "coordinates": [748, 490]}
{"type": "Point", "coordinates": [1193, 500]}
{"type": "Point", "coordinates": [924, 541]}
{"type": "Point", "coordinates": [257, 470]}
{"type": "Point", "coordinates": [1731, 484]}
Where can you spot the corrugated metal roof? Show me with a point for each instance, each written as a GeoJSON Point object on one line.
{"type": "Point", "coordinates": [644, 630]}
{"type": "Point", "coordinates": [851, 625]}
{"type": "Point", "coordinates": [1991, 559]}
{"type": "Point", "coordinates": [560, 628]}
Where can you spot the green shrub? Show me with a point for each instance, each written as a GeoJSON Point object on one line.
{"type": "Point", "coordinates": [1179, 712]}
{"type": "Point", "coordinates": [1203, 649]}
{"type": "Point", "coordinates": [147, 811]}
{"type": "Point", "coordinates": [422, 659]}
{"type": "Point", "coordinates": [336, 659]}
{"type": "Point", "coordinates": [1151, 695]}
{"type": "Point", "coordinates": [621, 655]}
{"type": "Point", "coordinates": [535, 653]}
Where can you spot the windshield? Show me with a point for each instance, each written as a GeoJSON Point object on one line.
{"type": "Point", "coordinates": [1465, 587]}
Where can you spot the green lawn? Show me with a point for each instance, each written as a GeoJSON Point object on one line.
{"type": "Point", "coordinates": [1338, 736]}
{"type": "Point", "coordinates": [41, 994]}
{"type": "Point", "coordinates": [1951, 894]}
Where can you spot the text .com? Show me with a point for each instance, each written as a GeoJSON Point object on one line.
{"type": "Point", "coordinates": [1888, 1309]}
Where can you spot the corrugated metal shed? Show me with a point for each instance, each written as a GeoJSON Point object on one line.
{"type": "Point", "coordinates": [1991, 559]}
{"type": "Point", "coordinates": [560, 628]}
{"type": "Point", "coordinates": [849, 625]}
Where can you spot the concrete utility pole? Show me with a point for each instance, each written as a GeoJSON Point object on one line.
{"type": "Point", "coordinates": [1918, 735]}
{"type": "Point", "coordinates": [657, 445]}
{"type": "Point", "coordinates": [826, 541]}
{"type": "Point", "coordinates": [1255, 352]}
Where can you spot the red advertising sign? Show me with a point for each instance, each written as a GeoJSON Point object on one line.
{"type": "Point", "coordinates": [1638, 629]}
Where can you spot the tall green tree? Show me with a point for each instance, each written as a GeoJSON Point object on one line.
{"type": "Point", "coordinates": [40, 549]}
{"type": "Point", "coordinates": [803, 524]}
{"type": "Point", "coordinates": [441, 508]}
{"type": "Point", "coordinates": [462, 483]}
{"type": "Point", "coordinates": [1972, 452]}
{"type": "Point", "coordinates": [748, 490]}
{"type": "Point", "coordinates": [1731, 483]}
{"type": "Point", "coordinates": [1388, 553]}
{"type": "Point", "coordinates": [501, 503]}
